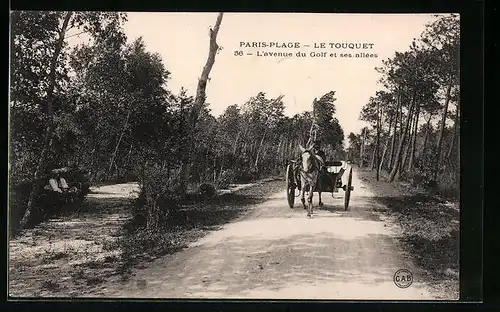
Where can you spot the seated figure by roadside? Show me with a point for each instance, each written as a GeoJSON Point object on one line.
{"type": "Point", "coordinates": [53, 185]}
{"type": "Point", "coordinates": [78, 176]}
{"type": "Point", "coordinates": [57, 182]}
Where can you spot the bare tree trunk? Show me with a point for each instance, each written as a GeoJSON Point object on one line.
{"type": "Point", "coordinates": [426, 135]}
{"type": "Point", "coordinates": [222, 158]}
{"type": "Point", "coordinates": [91, 164]}
{"type": "Point", "coordinates": [454, 137]}
{"type": "Point", "coordinates": [362, 149]}
{"type": "Point", "coordinates": [199, 101]}
{"type": "Point", "coordinates": [455, 132]}
{"type": "Point", "coordinates": [384, 153]}
{"type": "Point", "coordinates": [278, 150]}
{"type": "Point", "coordinates": [127, 162]}
{"type": "Point", "coordinates": [372, 162]}
{"type": "Point", "coordinates": [443, 125]}
{"type": "Point", "coordinates": [393, 141]}
{"type": "Point", "coordinates": [215, 170]}
{"type": "Point", "coordinates": [414, 141]}
{"type": "Point", "coordinates": [235, 145]}
{"type": "Point", "coordinates": [400, 117]}
{"type": "Point", "coordinates": [284, 147]}
{"type": "Point", "coordinates": [244, 149]}
{"type": "Point", "coordinates": [409, 139]}
{"type": "Point", "coordinates": [401, 126]}
{"type": "Point", "coordinates": [118, 144]}
{"type": "Point", "coordinates": [397, 163]}
{"type": "Point", "coordinates": [259, 149]}
{"type": "Point", "coordinates": [202, 82]}
{"type": "Point", "coordinates": [379, 121]}
{"type": "Point", "coordinates": [386, 144]}
{"type": "Point", "coordinates": [49, 120]}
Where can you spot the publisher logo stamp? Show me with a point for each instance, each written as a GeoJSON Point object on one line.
{"type": "Point", "coordinates": [403, 278]}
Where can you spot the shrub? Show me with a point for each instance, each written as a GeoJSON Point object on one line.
{"type": "Point", "coordinates": [227, 177]}
{"type": "Point", "coordinates": [405, 176]}
{"type": "Point", "coordinates": [424, 168]}
{"type": "Point", "coordinates": [159, 197]}
{"type": "Point", "coordinates": [206, 190]}
{"type": "Point", "coordinates": [449, 184]}
{"type": "Point", "coordinates": [243, 175]}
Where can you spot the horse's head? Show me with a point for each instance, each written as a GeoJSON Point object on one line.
{"type": "Point", "coordinates": [307, 158]}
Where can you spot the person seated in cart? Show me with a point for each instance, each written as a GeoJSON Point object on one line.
{"type": "Point", "coordinates": [321, 155]}
{"type": "Point", "coordinates": [323, 173]}
{"type": "Point", "coordinates": [319, 152]}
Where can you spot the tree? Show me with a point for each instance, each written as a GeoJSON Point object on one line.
{"type": "Point", "coordinates": [442, 38]}
{"type": "Point", "coordinates": [49, 117]}
{"type": "Point", "coordinates": [354, 147]}
{"type": "Point", "coordinates": [39, 62]}
{"type": "Point", "coordinates": [328, 127]}
{"type": "Point", "coordinates": [419, 84]}
{"type": "Point", "coordinates": [200, 92]}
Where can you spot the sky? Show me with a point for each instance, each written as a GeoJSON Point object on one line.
{"type": "Point", "coordinates": [182, 41]}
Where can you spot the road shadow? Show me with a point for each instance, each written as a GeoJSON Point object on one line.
{"type": "Point", "coordinates": [213, 212]}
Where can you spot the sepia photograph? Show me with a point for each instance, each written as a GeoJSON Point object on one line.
{"type": "Point", "coordinates": [223, 155]}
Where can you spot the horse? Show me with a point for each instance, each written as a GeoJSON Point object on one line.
{"type": "Point", "coordinates": [309, 170]}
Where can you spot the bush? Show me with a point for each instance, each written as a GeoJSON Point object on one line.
{"type": "Point", "coordinates": [424, 168]}
{"type": "Point", "coordinates": [246, 174]}
{"type": "Point", "coordinates": [243, 175]}
{"type": "Point", "coordinates": [158, 199]}
{"type": "Point", "coordinates": [419, 180]}
{"type": "Point", "coordinates": [207, 190]}
{"type": "Point", "coordinates": [449, 184]}
{"type": "Point", "coordinates": [227, 177]}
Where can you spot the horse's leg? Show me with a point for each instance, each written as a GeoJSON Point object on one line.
{"type": "Point", "coordinates": [310, 201]}
{"type": "Point", "coordinates": [302, 193]}
{"type": "Point", "coordinates": [318, 187]}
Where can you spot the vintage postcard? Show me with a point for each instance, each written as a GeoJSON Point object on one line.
{"type": "Point", "coordinates": [234, 155]}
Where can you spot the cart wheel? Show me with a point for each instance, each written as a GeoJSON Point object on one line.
{"type": "Point", "coordinates": [290, 186]}
{"type": "Point", "coordinates": [347, 195]}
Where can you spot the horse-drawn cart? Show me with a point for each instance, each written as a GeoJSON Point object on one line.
{"type": "Point", "coordinates": [329, 181]}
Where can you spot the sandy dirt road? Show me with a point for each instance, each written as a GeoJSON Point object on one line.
{"type": "Point", "coordinates": [275, 252]}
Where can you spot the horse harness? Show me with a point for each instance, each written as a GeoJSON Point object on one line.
{"type": "Point", "coordinates": [315, 165]}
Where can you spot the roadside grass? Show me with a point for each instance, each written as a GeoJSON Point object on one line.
{"type": "Point", "coordinates": [430, 227]}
